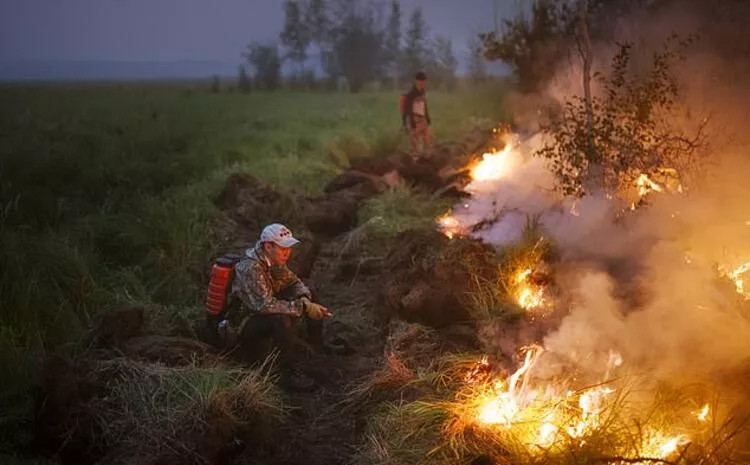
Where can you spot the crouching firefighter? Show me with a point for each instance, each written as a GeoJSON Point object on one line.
{"type": "Point", "coordinates": [268, 300]}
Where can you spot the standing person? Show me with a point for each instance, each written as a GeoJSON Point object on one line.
{"type": "Point", "coordinates": [272, 300]}
{"type": "Point", "coordinates": [416, 116]}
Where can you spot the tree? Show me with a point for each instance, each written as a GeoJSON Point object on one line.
{"type": "Point", "coordinates": [265, 60]}
{"type": "Point", "coordinates": [358, 48]}
{"type": "Point", "coordinates": [243, 81]}
{"type": "Point", "coordinates": [443, 68]}
{"type": "Point", "coordinates": [603, 142]}
{"type": "Point", "coordinates": [316, 20]}
{"type": "Point", "coordinates": [532, 46]}
{"type": "Point", "coordinates": [215, 84]}
{"type": "Point", "coordinates": [416, 52]}
{"type": "Point", "coordinates": [477, 67]}
{"type": "Point", "coordinates": [295, 36]}
{"type": "Point", "coordinates": [392, 51]}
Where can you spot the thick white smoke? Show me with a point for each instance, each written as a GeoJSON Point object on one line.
{"type": "Point", "coordinates": [651, 284]}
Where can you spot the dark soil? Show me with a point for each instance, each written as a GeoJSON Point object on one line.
{"type": "Point", "coordinates": [321, 430]}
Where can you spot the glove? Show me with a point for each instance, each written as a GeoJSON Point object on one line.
{"type": "Point", "coordinates": [313, 310]}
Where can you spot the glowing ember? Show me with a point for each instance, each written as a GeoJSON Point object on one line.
{"type": "Point", "coordinates": [479, 372]}
{"type": "Point", "coordinates": [449, 225]}
{"type": "Point", "coordinates": [703, 414]}
{"type": "Point", "coordinates": [494, 165]}
{"type": "Point", "coordinates": [646, 185]}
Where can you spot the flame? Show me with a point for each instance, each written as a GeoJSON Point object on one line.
{"type": "Point", "coordinates": [521, 277]}
{"type": "Point", "coordinates": [548, 431]}
{"type": "Point", "coordinates": [591, 403]}
{"type": "Point", "coordinates": [530, 298]}
{"type": "Point", "coordinates": [703, 414]}
{"type": "Point", "coordinates": [661, 446]}
{"type": "Point", "coordinates": [669, 447]}
{"type": "Point", "coordinates": [528, 295]}
{"type": "Point", "coordinates": [505, 405]}
{"type": "Point", "coordinates": [550, 417]}
{"type": "Point", "coordinates": [736, 276]}
{"type": "Point", "coordinates": [494, 165]}
{"type": "Point", "coordinates": [646, 185]}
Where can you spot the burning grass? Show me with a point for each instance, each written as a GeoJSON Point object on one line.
{"type": "Point", "coordinates": [473, 411]}
{"type": "Point", "coordinates": [523, 279]}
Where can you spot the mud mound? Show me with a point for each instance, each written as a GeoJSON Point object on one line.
{"type": "Point", "coordinates": [252, 204]}
{"type": "Point", "coordinates": [249, 204]}
{"type": "Point", "coordinates": [431, 278]}
{"type": "Point", "coordinates": [65, 422]}
{"type": "Point", "coordinates": [440, 173]}
{"type": "Point", "coordinates": [169, 350]}
{"type": "Point", "coordinates": [120, 325]}
{"type": "Point", "coordinates": [336, 212]}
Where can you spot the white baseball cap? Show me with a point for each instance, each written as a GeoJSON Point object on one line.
{"type": "Point", "coordinates": [279, 235]}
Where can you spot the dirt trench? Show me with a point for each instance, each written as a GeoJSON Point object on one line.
{"type": "Point", "coordinates": [323, 428]}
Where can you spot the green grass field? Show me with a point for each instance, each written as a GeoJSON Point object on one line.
{"type": "Point", "coordinates": [105, 193]}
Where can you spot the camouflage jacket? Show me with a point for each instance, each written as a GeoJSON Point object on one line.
{"type": "Point", "coordinates": [257, 285]}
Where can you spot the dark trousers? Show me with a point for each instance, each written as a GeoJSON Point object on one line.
{"type": "Point", "coordinates": [283, 330]}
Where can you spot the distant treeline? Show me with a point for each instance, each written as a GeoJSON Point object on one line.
{"type": "Point", "coordinates": [350, 44]}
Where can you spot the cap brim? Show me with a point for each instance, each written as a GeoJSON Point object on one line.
{"type": "Point", "coordinates": [287, 242]}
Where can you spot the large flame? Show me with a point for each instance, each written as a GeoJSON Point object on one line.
{"type": "Point", "coordinates": [494, 165]}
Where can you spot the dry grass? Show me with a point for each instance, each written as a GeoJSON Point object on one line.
{"type": "Point", "coordinates": [152, 411]}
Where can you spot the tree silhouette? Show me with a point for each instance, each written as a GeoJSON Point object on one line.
{"type": "Point", "coordinates": [295, 35]}
{"type": "Point", "coordinates": [265, 60]}
{"type": "Point", "coordinates": [416, 49]}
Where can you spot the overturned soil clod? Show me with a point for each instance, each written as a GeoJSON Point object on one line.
{"type": "Point", "coordinates": [431, 277]}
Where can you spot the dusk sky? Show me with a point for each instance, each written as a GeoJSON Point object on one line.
{"type": "Point", "coordinates": [169, 30]}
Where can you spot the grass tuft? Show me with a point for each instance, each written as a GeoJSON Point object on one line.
{"type": "Point", "coordinates": [155, 411]}
{"type": "Point", "coordinates": [402, 208]}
